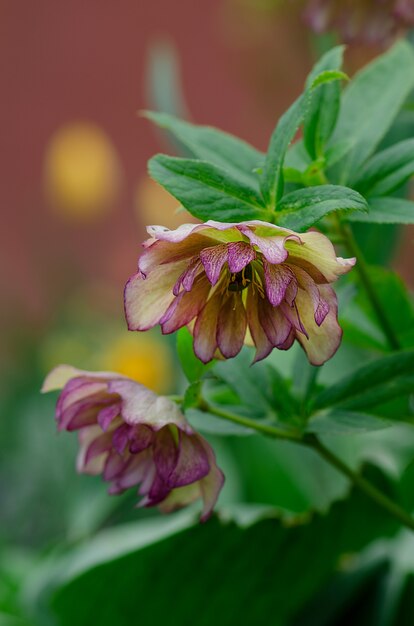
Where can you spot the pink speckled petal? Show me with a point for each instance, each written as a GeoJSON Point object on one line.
{"type": "Point", "coordinates": [277, 280]}
{"type": "Point", "coordinates": [240, 254]}
{"type": "Point", "coordinates": [186, 306]}
{"type": "Point", "coordinates": [205, 329]}
{"type": "Point", "coordinates": [260, 339]}
{"type": "Point", "coordinates": [317, 256]}
{"type": "Point", "coordinates": [146, 300]}
{"type": "Point", "coordinates": [213, 259]}
{"type": "Point", "coordinates": [325, 339]}
{"type": "Point", "coordinates": [274, 323]}
{"type": "Point", "coordinates": [231, 326]}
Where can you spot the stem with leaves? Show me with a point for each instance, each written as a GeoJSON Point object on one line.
{"type": "Point", "coordinates": [311, 441]}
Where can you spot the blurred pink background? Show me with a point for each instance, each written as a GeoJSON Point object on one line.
{"type": "Point", "coordinates": [65, 62]}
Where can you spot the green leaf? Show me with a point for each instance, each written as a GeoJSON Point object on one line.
{"type": "Point", "coordinates": [387, 170]}
{"type": "Point", "coordinates": [342, 422]}
{"type": "Point", "coordinates": [374, 374]}
{"type": "Point", "coordinates": [272, 181]}
{"type": "Point", "coordinates": [301, 209]}
{"type": "Point", "coordinates": [386, 211]}
{"type": "Point", "coordinates": [161, 571]}
{"type": "Point", "coordinates": [193, 368]}
{"type": "Point", "coordinates": [329, 76]}
{"type": "Point", "coordinates": [397, 388]}
{"type": "Point", "coordinates": [395, 300]}
{"type": "Point", "coordinates": [215, 146]}
{"type": "Point", "coordinates": [371, 103]}
{"type": "Point", "coordinates": [206, 191]}
{"type": "Point", "coordinates": [321, 116]}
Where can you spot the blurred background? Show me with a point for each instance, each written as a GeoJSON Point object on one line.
{"type": "Point", "coordinates": [76, 199]}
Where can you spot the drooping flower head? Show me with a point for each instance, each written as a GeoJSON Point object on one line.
{"type": "Point", "coordinates": [132, 436]}
{"type": "Point", "coordinates": [251, 282]}
{"type": "Point", "coordinates": [369, 21]}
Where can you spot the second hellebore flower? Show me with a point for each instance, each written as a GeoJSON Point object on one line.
{"type": "Point", "coordinates": [132, 436]}
{"type": "Point", "coordinates": [369, 21]}
{"type": "Point", "coordinates": [251, 282]}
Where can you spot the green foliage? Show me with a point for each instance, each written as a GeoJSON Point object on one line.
{"type": "Point", "coordinates": [209, 144]}
{"type": "Point", "coordinates": [387, 170]}
{"type": "Point", "coordinates": [168, 559]}
{"type": "Point", "coordinates": [387, 211]}
{"type": "Point", "coordinates": [206, 191]}
{"type": "Point", "coordinates": [303, 208]}
{"type": "Point", "coordinates": [323, 110]}
{"type": "Point", "coordinates": [370, 105]}
{"type": "Point", "coordinates": [365, 378]}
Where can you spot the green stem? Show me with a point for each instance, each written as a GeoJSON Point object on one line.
{"type": "Point", "coordinates": [364, 485]}
{"type": "Point", "coordinates": [361, 267]}
{"type": "Point", "coordinates": [266, 429]}
{"type": "Point", "coordinates": [313, 442]}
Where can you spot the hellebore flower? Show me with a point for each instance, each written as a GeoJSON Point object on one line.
{"type": "Point", "coordinates": [369, 21]}
{"type": "Point", "coordinates": [132, 436]}
{"type": "Point", "coordinates": [251, 282]}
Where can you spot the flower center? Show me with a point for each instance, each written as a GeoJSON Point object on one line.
{"type": "Point", "coordinates": [241, 280]}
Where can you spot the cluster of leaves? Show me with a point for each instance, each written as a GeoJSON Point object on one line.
{"type": "Point", "coordinates": [229, 180]}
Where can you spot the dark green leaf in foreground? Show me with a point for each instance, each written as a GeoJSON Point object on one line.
{"type": "Point", "coordinates": [215, 146]}
{"type": "Point", "coordinates": [206, 191]}
{"type": "Point", "coordinates": [387, 170]}
{"type": "Point", "coordinates": [371, 103]}
{"type": "Point", "coordinates": [386, 211]}
{"type": "Point", "coordinates": [301, 209]}
{"type": "Point", "coordinates": [174, 572]}
{"type": "Point", "coordinates": [365, 378]}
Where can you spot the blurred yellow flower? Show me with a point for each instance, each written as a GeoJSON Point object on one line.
{"type": "Point", "coordinates": [145, 359]}
{"type": "Point", "coordinates": [82, 172]}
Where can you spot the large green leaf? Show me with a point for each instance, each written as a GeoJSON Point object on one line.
{"type": "Point", "coordinates": [215, 146]}
{"type": "Point", "coordinates": [386, 211]}
{"type": "Point", "coordinates": [323, 110]}
{"type": "Point", "coordinates": [365, 378]}
{"type": "Point", "coordinates": [175, 572]}
{"type": "Point", "coordinates": [387, 170]}
{"type": "Point", "coordinates": [206, 191]}
{"type": "Point", "coordinates": [301, 209]}
{"type": "Point", "coordinates": [371, 103]}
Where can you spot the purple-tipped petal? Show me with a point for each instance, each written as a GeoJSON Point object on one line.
{"type": "Point", "coordinates": [259, 337]}
{"type": "Point", "coordinates": [186, 307]}
{"type": "Point", "coordinates": [106, 416]}
{"type": "Point", "coordinates": [213, 260]}
{"type": "Point", "coordinates": [165, 453]}
{"type": "Point", "coordinates": [146, 300]}
{"type": "Point", "coordinates": [231, 326]}
{"type": "Point", "coordinates": [277, 280]}
{"type": "Point", "coordinates": [205, 329]}
{"type": "Point", "coordinates": [187, 278]}
{"type": "Point", "coordinates": [323, 340]}
{"type": "Point", "coordinates": [274, 323]}
{"type": "Point", "coordinates": [317, 257]}
{"type": "Point", "coordinates": [240, 254]}
{"type": "Point", "coordinates": [192, 463]}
